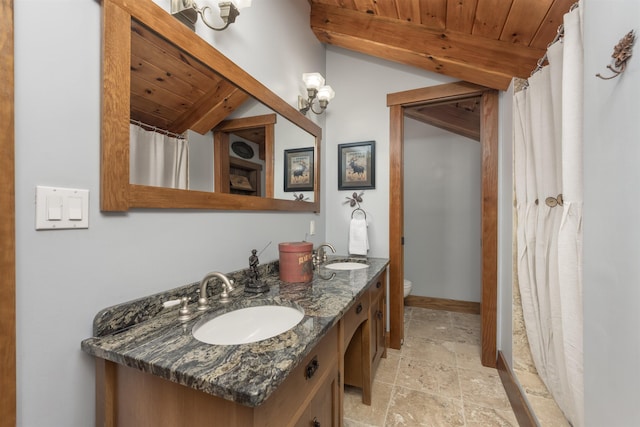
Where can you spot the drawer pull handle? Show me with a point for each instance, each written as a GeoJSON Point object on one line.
{"type": "Point", "coordinates": [315, 423]}
{"type": "Point", "coordinates": [311, 368]}
{"type": "Point", "coordinates": [378, 285]}
{"type": "Point", "coordinates": [379, 315]}
{"type": "Point", "coordinates": [359, 308]}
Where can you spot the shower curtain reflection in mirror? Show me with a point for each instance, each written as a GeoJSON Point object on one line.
{"type": "Point", "coordinates": [158, 159]}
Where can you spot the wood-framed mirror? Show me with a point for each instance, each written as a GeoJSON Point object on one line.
{"type": "Point", "coordinates": [159, 73]}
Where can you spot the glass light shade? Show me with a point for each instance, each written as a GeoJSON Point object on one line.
{"type": "Point", "coordinates": [241, 4]}
{"type": "Point", "coordinates": [326, 93]}
{"type": "Point", "coordinates": [313, 80]}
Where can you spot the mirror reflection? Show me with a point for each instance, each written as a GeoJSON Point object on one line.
{"type": "Point", "coordinates": [157, 72]}
{"type": "Point", "coordinates": [192, 129]}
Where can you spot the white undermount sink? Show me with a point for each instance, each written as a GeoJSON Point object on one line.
{"type": "Point", "coordinates": [247, 325]}
{"type": "Point", "coordinates": [346, 265]}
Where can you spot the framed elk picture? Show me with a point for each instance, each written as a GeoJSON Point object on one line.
{"type": "Point", "coordinates": [357, 165]}
{"type": "Point", "coordinates": [298, 169]}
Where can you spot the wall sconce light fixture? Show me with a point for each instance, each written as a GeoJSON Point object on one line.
{"type": "Point", "coordinates": [186, 11]}
{"type": "Point", "coordinates": [316, 89]}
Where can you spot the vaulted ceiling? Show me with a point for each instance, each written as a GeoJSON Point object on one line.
{"type": "Point", "coordinates": [486, 42]}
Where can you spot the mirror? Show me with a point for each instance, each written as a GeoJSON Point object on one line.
{"type": "Point", "coordinates": [186, 85]}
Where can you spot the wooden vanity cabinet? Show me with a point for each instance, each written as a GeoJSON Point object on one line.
{"type": "Point", "coordinates": [308, 397]}
{"type": "Point", "coordinates": [367, 345]}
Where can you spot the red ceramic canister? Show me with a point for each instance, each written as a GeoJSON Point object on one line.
{"type": "Point", "coordinates": [296, 264]}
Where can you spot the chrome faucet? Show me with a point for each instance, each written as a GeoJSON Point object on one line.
{"type": "Point", "coordinates": [320, 256]}
{"type": "Point", "coordinates": [227, 287]}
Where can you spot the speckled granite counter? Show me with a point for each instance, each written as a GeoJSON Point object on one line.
{"type": "Point", "coordinates": [142, 334]}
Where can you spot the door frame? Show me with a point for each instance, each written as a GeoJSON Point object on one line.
{"type": "Point", "coordinates": [489, 142]}
{"type": "Point", "coordinates": [7, 220]}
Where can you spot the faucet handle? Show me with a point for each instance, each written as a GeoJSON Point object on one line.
{"type": "Point", "coordinates": [184, 313]}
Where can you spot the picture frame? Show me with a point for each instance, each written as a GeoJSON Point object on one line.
{"type": "Point", "coordinates": [357, 165]}
{"type": "Point", "coordinates": [299, 169]}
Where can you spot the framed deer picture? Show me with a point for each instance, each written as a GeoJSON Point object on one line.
{"type": "Point", "coordinates": [298, 169]}
{"type": "Point", "coordinates": [357, 165]}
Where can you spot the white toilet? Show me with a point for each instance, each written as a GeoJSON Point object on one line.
{"type": "Point", "coordinates": [407, 287]}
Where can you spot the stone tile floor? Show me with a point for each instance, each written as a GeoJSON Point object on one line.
{"type": "Point", "coordinates": [436, 379]}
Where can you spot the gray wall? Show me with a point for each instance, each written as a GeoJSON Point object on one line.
{"type": "Point", "coordinates": [442, 213]}
{"type": "Point", "coordinates": [611, 212]}
{"type": "Point", "coordinates": [65, 277]}
{"type": "Point", "coordinates": [359, 112]}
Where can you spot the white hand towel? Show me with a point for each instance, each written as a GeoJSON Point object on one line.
{"type": "Point", "coordinates": [358, 238]}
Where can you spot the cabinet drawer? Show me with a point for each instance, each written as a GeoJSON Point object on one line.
{"type": "Point", "coordinates": [376, 288]}
{"type": "Point", "coordinates": [357, 313]}
{"type": "Point", "coordinates": [302, 384]}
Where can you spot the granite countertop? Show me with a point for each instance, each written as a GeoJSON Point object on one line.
{"type": "Point", "coordinates": [141, 334]}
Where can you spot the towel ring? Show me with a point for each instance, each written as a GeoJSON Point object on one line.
{"type": "Point", "coordinates": [361, 210]}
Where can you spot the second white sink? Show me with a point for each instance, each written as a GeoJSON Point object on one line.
{"type": "Point", "coordinates": [346, 266]}
{"type": "Point", "coordinates": [247, 325]}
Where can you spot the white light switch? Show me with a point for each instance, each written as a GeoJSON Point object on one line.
{"type": "Point", "coordinates": [75, 208]}
{"type": "Point", "coordinates": [54, 208]}
{"type": "Point", "coordinates": [61, 208]}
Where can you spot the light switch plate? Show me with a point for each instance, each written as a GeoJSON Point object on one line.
{"type": "Point", "coordinates": [61, 208]}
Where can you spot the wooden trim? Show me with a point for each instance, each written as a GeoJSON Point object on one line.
{"type": "Point", "coordinates": [106, 393]}
{"type": "Point", "coordinates": [116, 83]}
{"type": "Point", "coordinates": [489, 302]}
{"type": "Point", "coordinates": [435, 94]}
{"type": "Point", "coordinates": [442, 304]}
{"type": "Point", "coordinates": [221, 162]}
{"type": "Point", "coordinates": [396, 227]}
{"type": "Point", "coordinates": [518, 400]}
{"type": "Point", "coordinates": [268, 154]}
{"type": "Point", "coordinates": [267, 150]}
{"type": "Point", "coordinates": [8, 401]}
{"type": "Point", "coordinates": [233, 125]}
{"type": "Point", "coordinates": [143, 196]}
{"type": "Point", "coordinates": [489, 141]}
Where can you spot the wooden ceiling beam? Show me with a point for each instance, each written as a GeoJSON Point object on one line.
{"type": "Point", "coordinates": [213, 108]}
{"type": "Point", "coordinates": [449, 118]}
{"type": "Point", "coordinates": [490, 63]}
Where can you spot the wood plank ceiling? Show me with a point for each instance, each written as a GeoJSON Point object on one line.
{"type": "Point", "coordinates": [486, 42]}
{"type": "Point", "coordinates": [173, 91]}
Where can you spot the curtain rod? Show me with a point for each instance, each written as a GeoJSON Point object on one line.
{"type": "Point", "coordinates": [559, 36]}
{"type": "Point", "coordinates": [157, 129]}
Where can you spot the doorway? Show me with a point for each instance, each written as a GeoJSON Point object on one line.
{"type": "Point", "coordinates": [399, 104]}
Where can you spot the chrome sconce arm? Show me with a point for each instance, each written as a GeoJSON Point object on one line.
{"type": "Point", "coordinates": [316, 90]}
{"type": "Point", "coordinates": [187, 11]}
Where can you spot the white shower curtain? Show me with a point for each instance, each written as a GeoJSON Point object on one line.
{"type": "Point", "coordinates": [157, 159]}
{"type": "Point", "coordinates": [548, 185]}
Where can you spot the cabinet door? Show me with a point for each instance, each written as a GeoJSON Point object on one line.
{"type": "Point", "coordinates": [378, 323]}
{"type": "Point", "coordinates": [322, 411]}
